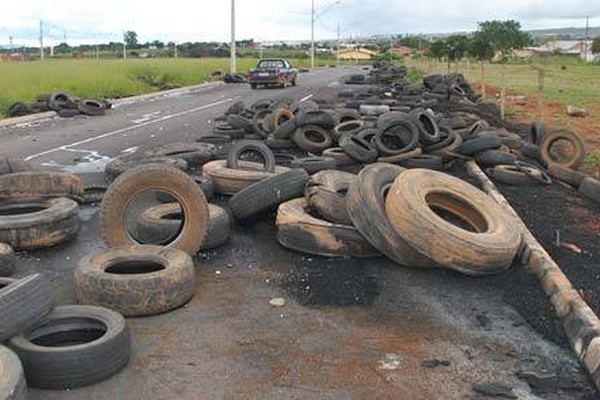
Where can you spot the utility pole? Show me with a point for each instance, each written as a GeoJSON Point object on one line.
{"type": "Point", "coordinates": [337, 54]}
{"type": "Point", "coordinates": [585, 43]}
{"type": "Point", "coordinates": [175, 50]}
{"type": "Point", "coordinates": [97, 52]}
{"type": "Point", "coordinates": [41, 41]}
{"type": "Point", "coordinates": [10, 40]}
{"type": "Point", "coordinates": [124, 47]}
{"type": "Point", "coordinates": [312, 36]}
{"type": "Point", "coordinates": [391, 48]}
{"type": "Point", "coordinates": [233, 66]}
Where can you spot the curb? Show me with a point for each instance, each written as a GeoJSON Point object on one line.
{"type": "Point", "coordinates": [581, 325]}
{"type": "Point", "coordinates": [117, 102]}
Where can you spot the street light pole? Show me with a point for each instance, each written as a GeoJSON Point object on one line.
{"type": "Point", "coordinates": [337, 54]}
{"type": "Point", "coordinates": [232, 63]}
{"type": "Point", "coordinates": [312, 36]}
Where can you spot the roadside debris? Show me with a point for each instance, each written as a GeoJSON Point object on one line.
{"type": "Point", "coordinates": [576, 111]}
{"type": "Point", "coordinates": [65, 105]}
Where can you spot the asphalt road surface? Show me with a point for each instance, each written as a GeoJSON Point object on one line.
{"type": "Point", "coordinates": [349, 329]}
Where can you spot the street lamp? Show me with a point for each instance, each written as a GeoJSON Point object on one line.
{"type": "Point", "coordinates": [312, 30]}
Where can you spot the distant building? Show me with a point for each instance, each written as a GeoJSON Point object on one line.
{"type": "Point", "coordinates": [359, 53]}
{"type": "Point", "coordinates": [402, 51]}
{"type": "Point", "coordinates": [568, 48]}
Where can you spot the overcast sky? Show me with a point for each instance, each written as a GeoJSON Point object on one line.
{"type": "Point", "coordinates": [184, 20]}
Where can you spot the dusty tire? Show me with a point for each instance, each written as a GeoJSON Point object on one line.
{"type": "Point", "coordinates": [195, 154]}
{"type": "Point", "coordinates": [446, 145]}
{"type": "Point", "coordinates": [491, 158]}
{"type": "Point", "coordinates": [590, 188]}
{"type": "Point", "coordinates": [365, 203]}
{"type": "Point", "coordinates": [41, 184]}
{"type": "Point", "coordinates": [33, 224]}
{"type": "Point", "coordinates": [319, 118]}
{"type": "Point", "coordinates": [488, 247]}
{"type": "Point", "coordinates": [314, 164]}
{"type": "Point", "coordinates": [401, 157]}
{"type": "Point", "coordinates": [404, 132]}
{"type": "Point", "coordinates": [136, 280]}
{"type": "Point", "coordinates": [429, 132]}
{"type": "Point", "coordinates": [326, 193]}
{"type": "Point", "coordinates": [298, 230]}
{"type": "Point", "coordinates": [94, 193]}
{"type": "Point", "coordinates": [160, 178]}
{"type": "Point", "coordinates": [12, 377]}
{"type": "Point", "coordinates": [473, 146]}
{"type": "Point", "coordinates": [427, 161]}
{"type": "Point", "coordinates": [350, 127]}
{"type": "Point", "coordinates": [567, 175]}
{"type": "Point", "coordinates": [279, 144]}
{"type": "Point", "coordinates": [50, 359]}
{"type": "Point", "coordinates": [121, 164]}
{"type": "Point", "coordinates": [23, 302]}
{"type": "Point", "coordinates": [339, 155]}
{"type": "Point", "coordinates": [7, 260]}
{"type": "Point", "coordinates": [255, 146]}
{"type": "Point", "coordinates": [91, 107]}
{"type": "Point", "coordinates": [268, 193]}
{"type": "Point", "coordinates": [575, 140]}
{"type": "Point", "coordinates": [164, 220]}
{"type": "Point", "coordinates": [230, 181]}
{"type": "Point", "coordinates": [312, 138]}
{"type": "Point", "coordinates": [519, 174]}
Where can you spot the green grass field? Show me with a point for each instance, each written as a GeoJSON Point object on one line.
{"type": "Point", "coordinates": [109, 78]}
{"type": "Point", "coordinates": [566, 81]}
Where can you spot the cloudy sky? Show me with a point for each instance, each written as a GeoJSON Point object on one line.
{"type": "Point", "coordinates": [186, 20]}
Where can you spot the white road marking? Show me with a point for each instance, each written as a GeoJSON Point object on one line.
{"type": "Point", "coordinates": [108, 134]}
{"type": "Point", "coordinates": [306, 98]}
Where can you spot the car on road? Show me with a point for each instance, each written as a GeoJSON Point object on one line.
{"type": "Point", "coordinates": [273, 72]}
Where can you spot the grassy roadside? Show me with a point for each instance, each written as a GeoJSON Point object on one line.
{"type": "Point", "coordinates": [109, 78]}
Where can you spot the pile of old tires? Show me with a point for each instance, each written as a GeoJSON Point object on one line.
{"type": "Point", "coordinates": [65, 104]}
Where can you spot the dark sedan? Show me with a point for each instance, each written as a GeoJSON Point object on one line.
{"type": "Point", "coordinates": [273, 72]}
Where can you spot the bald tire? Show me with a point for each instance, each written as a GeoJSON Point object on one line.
{"type": "Point", "coordinates": [162, 221]}
{"type": "Point", "coordinates": [590, 188]}
{"type": "Point", "coordinates": [255, 146]}
{"type": "Point", "coordinates": [298, 230]}
{"type": "Point", "coordinates": [574, 139]}
{"type": "Point", "coordinates": [488, 248]}
{"type": "Point", "coordinates": [268, 193]}
{"type": "Point", "coordinates": [365, 203]}
{"type": "Point", "coordinates": [41, 184]}
{"type": "Point", "coordinates": [61, 365]}
{"type": "Point", "coordinates": [9, 165]}
{"type": "Point", "coordinates": [195, 154]}
{"type": "Point", "coordinates": [12, 378]}
{"type": "Point", "coordinates": [326, 193]}
{"type": "Point", "coordinates": [567, 175]}
{"type": "Point", "coordinates": [7, 260]}
{"type": "Point", "coordinates": [136, 291]}
{"type": "Point", "coordinates": [23, 302]}
{"type": "Point", "coordinates": [159, 178]}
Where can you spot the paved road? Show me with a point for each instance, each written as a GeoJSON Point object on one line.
{"type": "Point", "coordinates": [350, 329]}
{"type": "Point", "coordinates": [178, 117]}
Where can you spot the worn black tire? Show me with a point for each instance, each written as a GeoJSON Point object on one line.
{"type": "Point", "coordinates": [509, 139]}
{"type": "Point", "coordinates": [429, 132]}
{"type": "Point", "coordinates": [40, 184]}
{"type": "Point", "coordinates": [7, 259]}
{"type": "Point", "coordinates": [136, 280]}
{"type": "Point", "coordinates": [251, 146]}
{"type": "Point", "coordinates": [524, 175]}
{"type": "Point", "coordinates": [285, 130]}
{"type": "Point", "coordinates": [341, 158]}
{"type": "Point", "coordinates": [121, 164]}
{"type": "Point", "coordinates": [359, 149]}
{"type": "Point", "coordinates": [23, 302]}
{"type": "Point", "coordinates": [532, 151]}
{"type": "Point", "coordinates": [235, 108]}
{"type": "Point", "coordinates": [491, 158]}
{"type": "Point", "coordinates": [405, 132]}
{"type": "Point", "coordinates": [94, 193]}
{"type": "Point", "coordinates": [314, 164]}
{"type": "Point", "coordinates": [576, 141]}
{"type": "Point", "coordinates": [566, 175]}
{"type": "Point", "coordinates": [473, 146]}
{"type": "Point", "coordinates": [487, 247]}
{"type": "Point", "coordinates": [426, 161]}
{"type": "Point", "coordinates": [55, 363]}
{"type": "Point", "coordinates": [298, 230]}
{"type": "Point", "coordinates": [214, 139]}
{"type": "Point", "coordinates": [237, 121]}
{"type": "Point", "coordinates": [326, 194]}
{"type": "Point", "coordinates": [349, 128]}
{"type": "Point", "coordinates": [537, 132]}
{"type": "Point", "coordinates": [320, 118]}
{"type": "Point", "coordinates": [365, 203]}
{"type": "Point", "coordinates": [91, 107]}
{"type": "Point", "coordinates": [38, 223]}
{"type": "Point", "coordinates": [590, 188]}
{"type": "Point", "coordinates": [12, 378]}
{"type": "Point", "coordinates": [312, 138]}
{"type": "Point", "coordinates": [195, 154]}
{"type": "Point", "coordinates": [279, 144]}
{"type": "Point", "coordinates": [68, 113]}
{"type": "Point", "coordinates": [160, 178]}
{"type": "Point", "coordinates": [61, 100]}
{"type": "Point", "coordinates": [345, 115]}
{"type": "Point", "coordinates": [268, 193]}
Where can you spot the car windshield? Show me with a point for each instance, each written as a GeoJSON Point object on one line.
{"type": "Point", "coordinates": [270, 64]}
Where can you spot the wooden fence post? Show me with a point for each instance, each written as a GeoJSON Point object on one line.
{"type": "Point", "coordinates": [542, 84]}
{"type": "Point", "coordinates": [502, 91]}
{"type": "Point", "coordinates": [482, 77]}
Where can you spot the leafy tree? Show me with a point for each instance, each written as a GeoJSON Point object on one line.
{"type": "Point", "coordinates": [480, 47]}
{"type": "Point", "coordinates": [131, 39]}
{"type": "Point", "coordinates": [437, 49]}
{"type": "Point", "coordinates": [504, 36]}
{"type": "Point", "coordinates": [457, 47]}
{"type": "Point", "coordinates": [596, 45]}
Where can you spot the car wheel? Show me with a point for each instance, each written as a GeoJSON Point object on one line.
{"type": "Point", "coordinates": [294, 82]}
{"type": "Point", "coordinates": [253, 85]}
